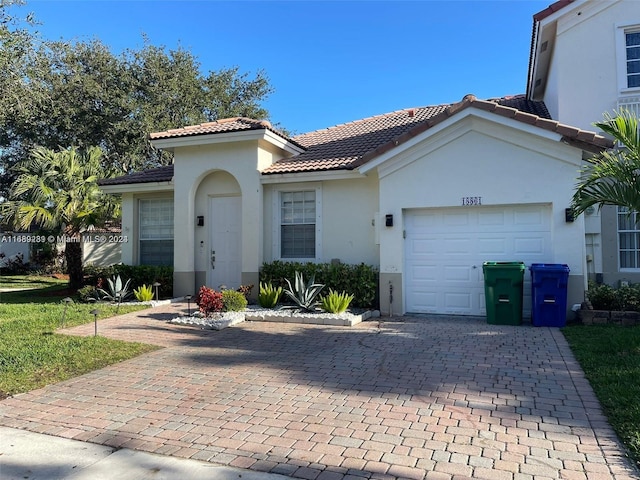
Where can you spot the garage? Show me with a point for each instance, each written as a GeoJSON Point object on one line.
{"type": "Point", "coordinates": [446, 247]}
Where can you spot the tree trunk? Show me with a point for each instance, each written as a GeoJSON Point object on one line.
{"type": "Point", "coordinates": [73, 256]}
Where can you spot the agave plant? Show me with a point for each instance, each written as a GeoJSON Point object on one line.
{"type": "Point", "coordinates": [303, 294]}
{"type": "Point", "coordinates": [336, 302]}
{"type": "Point", "coordinates": [269, 295]}
{"type": "Point", "coordinates": [117, 291]}
{"type": "Point", "coordinates": [144, 293]}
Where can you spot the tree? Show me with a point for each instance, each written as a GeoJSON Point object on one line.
{"type": "Point", "coordinates": [613, 176]}
{"type": "Point", "coordinates": [64, 94]}
{"type": "Point", "coordinates": [58, 191]}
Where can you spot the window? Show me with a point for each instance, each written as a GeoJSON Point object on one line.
{"type": "Point", "coordinates": [298, 227]}
{"type": "Point", "coordinates": [156, 232]}
{"type": "Point", "coordinates": [629, 238]}
{"type": "Point", "coordinates": [632, 47]}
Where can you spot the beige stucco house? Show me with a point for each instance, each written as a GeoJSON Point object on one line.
{"type": "Point", "coordinates": [426, 194]}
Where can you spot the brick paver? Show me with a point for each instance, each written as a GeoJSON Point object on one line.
{"type": "Point", "coordinates": [431, 397]}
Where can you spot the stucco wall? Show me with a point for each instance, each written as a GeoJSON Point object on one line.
{"type": "Point", "coordinates": [348, 229]}
{"type": "Point", "coordinates": [586, 61]}
{"type": "Point", "coordinates": [503, 165]}
{"type": "Point", "coordinates": [102, 254]}
{"type": "Point", "coordinates": [131, 223]}
{"type": "Point", "coordinates": [195, 164]}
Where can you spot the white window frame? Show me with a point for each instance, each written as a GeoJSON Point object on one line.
{"type": "Point", "coordinates": [277, 221]}
{"type": "Point", "coordinates": [621, 57]}
{"type": "Point", "coordinates": [140, 239]}
{"type": "Point", "coordinates": [620, 211]}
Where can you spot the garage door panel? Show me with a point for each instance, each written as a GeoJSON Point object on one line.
{"type": "Point", "coordinates": [491, 218]}
{"type": "Point", "coordinates": [459, 273]}
{"type": "Point", "coordinates": [530, 246]}
{"type": "Point", "coordinates": [491, 246]}
{"type": "Point", "coordinates": [461, 301]}
{"type": "Point", "coordinates": [422, 246]}
{"type": "Point", "coordinates": [425, 273]}
{"type": "Point", "coordinates": [456, 219]}
{"type": "Point", "coordinates": [443, 246]}
{"type": "Point", "coordinates": [425, 302]}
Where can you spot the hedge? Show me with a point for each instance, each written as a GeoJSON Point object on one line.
{"type": "Point", "coordinates": [360, 280]}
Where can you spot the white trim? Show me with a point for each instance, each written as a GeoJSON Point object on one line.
{"type": "Point", "coordinates": [621, 29]}
{"type": "Point", "coordinates": [279, 178]}
{"type": "Point", "coordinates": [139, 229]}
{"type": "Point", "coordinates": [469, 119]}
{"type": "Point", "coordinates": [276, 204]}
{"type": "Point", "coordinates": [618, 251]}
{"type": "Point", "coordinates": [225, 137]}
{"type": "Point", "coordinates": [138, 187]}
{"type": "Point", "coordinates": [570, 16]}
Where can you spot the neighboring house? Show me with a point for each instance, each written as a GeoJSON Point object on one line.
{"type": "Point", "coordinates": [586, 61]}
{"type": "Point", "coordinates": [426, 194]}
{"type": "Point", "coordinates": [11, 250]}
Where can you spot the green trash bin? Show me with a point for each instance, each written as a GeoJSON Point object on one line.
{"type": "Point", "coordinates": [503, 292]}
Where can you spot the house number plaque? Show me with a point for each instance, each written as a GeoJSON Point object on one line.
{"type": "Point", "coordinates": [470, 201]}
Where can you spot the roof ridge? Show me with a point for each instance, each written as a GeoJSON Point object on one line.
{"type": "Point", "coordinates": [372, 117]}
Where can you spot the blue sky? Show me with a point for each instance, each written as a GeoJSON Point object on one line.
{"type": "Point", "coordinates": [330, 62]}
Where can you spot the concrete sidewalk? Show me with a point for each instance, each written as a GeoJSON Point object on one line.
{"type": "Point", "coordinates": [31, 456]}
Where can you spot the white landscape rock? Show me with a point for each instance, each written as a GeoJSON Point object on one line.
{"type": "Point", "coordinates": [216, 322]}
{"type": "Point", "coordinates": [223, 320]}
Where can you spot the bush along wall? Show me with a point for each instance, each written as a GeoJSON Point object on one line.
{"type": "Point", "coordinates": [359, 280]}
{"type": "Point", "coordinates": [139, 275]}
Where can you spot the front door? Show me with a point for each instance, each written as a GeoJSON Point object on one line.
{"type": "Point", "coordinates": [225, 241]}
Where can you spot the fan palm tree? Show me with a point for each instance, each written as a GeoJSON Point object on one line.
{"type": "Point", "coordinates": [613, 176]}
{"type": "Point", "coordinates": [58, 191]}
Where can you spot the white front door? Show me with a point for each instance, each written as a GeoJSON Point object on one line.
{"type": "Point", "coordinates": [225, 239]}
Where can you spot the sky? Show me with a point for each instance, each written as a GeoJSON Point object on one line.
{"type": "Point", "coordinates": [329, 62]}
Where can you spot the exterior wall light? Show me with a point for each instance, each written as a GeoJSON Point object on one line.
{"type": "Point", "coordinates": [388, 220]}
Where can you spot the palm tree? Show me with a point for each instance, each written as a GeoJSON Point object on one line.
{"type": "Point", "coordinates": [613, 176]}
{"type": "Point", "coordinates": [58, 191]}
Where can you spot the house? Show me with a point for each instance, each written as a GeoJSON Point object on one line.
{"type": "Point", "coordinates": [585, 60]}
{"type": "Point", "coordinates": [427, 194]}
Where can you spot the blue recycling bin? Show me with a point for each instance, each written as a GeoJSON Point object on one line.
{"type": "Point", "coordinates": [549, 294]}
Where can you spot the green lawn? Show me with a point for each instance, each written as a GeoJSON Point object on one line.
{"type": "Point", "coordinates": [28, 281]}
{"type": "Point", "coordinates": [610, 358]}
{"type": "Point", "coordinates": [33, 355]}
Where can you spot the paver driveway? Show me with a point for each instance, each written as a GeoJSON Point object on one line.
{"type": "Point", "coordinates": [406, 397]}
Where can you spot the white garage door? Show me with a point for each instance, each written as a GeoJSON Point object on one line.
{"type": "Point", "coordinates": [445, 249]}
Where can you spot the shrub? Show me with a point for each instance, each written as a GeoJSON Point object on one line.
{"type": "Point", "coordinates": [209, 301]}
{"type": "Point", "coordinates": [602, 297]}
{"type": "Point", "coordinates": [605, 297]}
{"type": "Point", "coordinates": [13, 265]}
{"type": "Point", "coordinates": [139, 275]}
{"type": "Point", "coordinates": [629, 298]}
{"type": "Point", "coordinates": [233, 301]}
{"type": "Point", "coordinates": [143, 293]}
{"type": "Point", "coordinates": [269, 295]}
{"type": "Point", "coordinates": [246, 290]}
{"type": "Point", "coordinates": [359, 280]}
{"type": "Point", "coordinates": [336, 302]}
{"type": "Point", "coordinates": [88, 293]}
{"type": "Point", "coordinates": [302, 294]}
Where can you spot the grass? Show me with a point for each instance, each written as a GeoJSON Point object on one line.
{"type": "Point", "coordinates": [32, 355]}
{"type": "Point", "coordinates": [610, 358]}
{"type": "Point", "coordinates": [29, 281]}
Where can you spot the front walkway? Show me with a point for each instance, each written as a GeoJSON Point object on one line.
{"type": "Point", "coordinates": [405, 397]}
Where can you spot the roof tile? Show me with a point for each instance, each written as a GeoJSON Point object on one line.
{"type": "Point", "coordinates": [349, 145]}
{"type": "Point", "coordinates": [160, 174]}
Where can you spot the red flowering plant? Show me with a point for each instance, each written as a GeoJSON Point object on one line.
{"type": "Point", "coordinates": [209, 301]}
